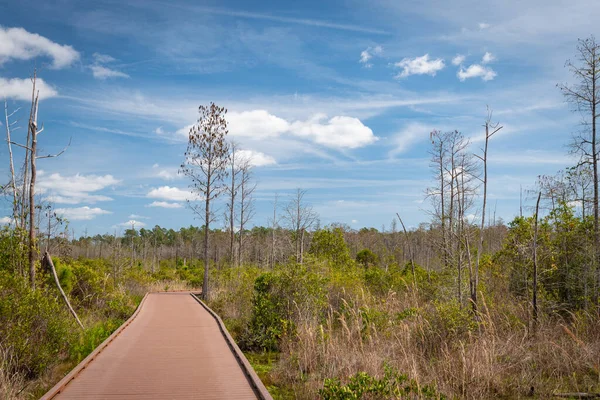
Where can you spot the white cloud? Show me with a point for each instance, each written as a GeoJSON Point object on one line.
{"type": "Point", "coordinates": [368, 53]}
{"type": "Point", "coordinates": [337, 132]}
{"type": "Point", "coordinates": [411, 134]}
{"type": "Point", "coordinates": [101, 72]}
{"type": "Point", "coordinates": [134, 223]}
{"type": "Point", "coordinates": [135, 216]}
{"type": "Point", "coordinates": [81, 213]}
{"type": "Point", "coordinates": [257, 124]}
{"type": "Point", "coordinates": [419, 66]}
{"type": "Point", "coordinates": [476, 71]}
{"type": "Point", "coordinates": [5, 220]}
{"type": "Point", "coordinates": [365, 56]}
{"type": "Point", "coordinates": [488, 58]}
{"type": "Point", "coordinates": [459, 59]}
{"type": "Point", "coordinates": [170, 193]}
{"type": "Point", "coordinates": [74, 189]}
{"type": "Point", "coordinates": [18, 44]}
{"type": "Point", "coordinates": [165, 173]}
{"type": "Point", "coordinates": [164, 204]}
{"type": "Point", "coordinates": [185, 131]}
{"type": "Point", "coordinates": [20, 89]}
{"type": "Point", "coordinates": [483, 25]}
{"type": "Point", "coordinates": [256, 158]}
{"type": "Point", "coordinates": [159, 131]}
{"type": "Point", "coordinates": [103, 58]}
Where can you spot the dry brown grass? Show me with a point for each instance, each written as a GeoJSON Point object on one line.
{"type": "Point", "coordinates": [498, 358]}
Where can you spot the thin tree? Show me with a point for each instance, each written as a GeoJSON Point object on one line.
{"type": "Point", "coordinates": [300, 217]}
{"type": "Point", "coordinates": [490, 130]}
{"type": "Point", "coordinates": [535, 264]}
{"type": "Point", "coordinates": [232, 191]}
{"type": "Point", "coordinates": [584, 95]}
{"type": "Point", "coordinates": [246, 213]}
{"type": "Point", "coordinates": [205, 163]}
{"type": "Point", "coordinates": [274, 225]}
{"type": "Point", "coordinates": [410, 250]}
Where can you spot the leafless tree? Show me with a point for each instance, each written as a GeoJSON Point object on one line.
{"type": "Point", "coordinates": [274, 226]}
{"type": "Point", "coordinates": [205, 163]}
{"type": "Point", "coordinates": [490, 130]}
{"type": "Point", "coordinates": [535, 263]}
{"type": "Point", "coordinates": [231, 192]}
{"type": "Point", "coordinates": [246, 205]}
{"type": "Point", "coordinates": [300, 217]}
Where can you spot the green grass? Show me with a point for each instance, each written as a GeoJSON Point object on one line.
{"type": "Point", "coordinates": [263, 364]}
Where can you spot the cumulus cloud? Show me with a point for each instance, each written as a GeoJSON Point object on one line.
{"type": "Point", "coordinates": [488, 58]}
{"type": "Point", "coordinates": [20, 89]}
{"type": "Point", "coordinates": [458, 59]}
{"type": "Point", "coordinates": [258, 124]}
{"type": "Point", "coordinates": [74, 189]}
{"type": "Point", "coordinates": [134, 223]}
{"type": "Point", "coordinates": [256, 158]}
{"type": "Point", "coordinates": [368, 53]}
{"type": "Point", "coordinates": [476, 71]}
{"type": "Point", "coordinates": [81, 213]}
{"type": "Point", "coordinates": [419, 66]}
{"type": "Point", "coordinates": [102, 72]}
{"type": "Point", "coordinates": [5, 220]}
{"type": "Point", "coordinates": [340, 132]}
{"type": "Point", "coordinates": [164, 204]}
{"type": "Point", "coordinates": [170, 193]}
{"type": "Point", "coordinates": [19, 44]}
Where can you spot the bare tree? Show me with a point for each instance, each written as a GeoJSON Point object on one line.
{"type": "Point", "coordinates": [584, 95]}
{"type": "Point", "coordinates": [300, 217]}
{"type": "Point", "coordinates": [232, 191]}
{"type": "Point", "coordinates": [246, 213]}
{"type": "Point", "coordinates": [274, 225]}
{"type": "Point", "coordinates": [490, 130]}
{"type": "Point", "coordinates": [535, 263]}
{"type": "Point", "coordinates": [205, 163]}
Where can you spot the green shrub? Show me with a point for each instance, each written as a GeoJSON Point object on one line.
{"type": "Point", "coordinates": [34, 326]}
{"type": "Point", "coordinates": [392, 385]}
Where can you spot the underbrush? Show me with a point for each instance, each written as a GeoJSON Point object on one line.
{"type": "Point", "coordinates": [340, 331]}
{"type": "Point", "coordinates": [38, 336]}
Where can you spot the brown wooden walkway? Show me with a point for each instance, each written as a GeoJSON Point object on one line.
{"type": "Point", "coordinates": [172, 348]}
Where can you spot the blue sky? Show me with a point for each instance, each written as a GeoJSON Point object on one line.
{"type": "Point", "coordinates": [335, 97]}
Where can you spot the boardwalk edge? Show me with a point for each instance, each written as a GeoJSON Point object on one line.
{"type": "Point", "coordinates": [56, 389]}
{"type": "Point", "coordinates": [259, 388]}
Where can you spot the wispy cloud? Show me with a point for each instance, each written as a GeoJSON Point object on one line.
{"type": "Point", "coordinates": [291, 20]}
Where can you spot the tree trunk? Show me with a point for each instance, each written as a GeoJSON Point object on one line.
{"type": "Point", "coordinates": [50, 264]}
{"type": "Point", "coordinates": [535, 266]}
{"type": "Point", "coordinates": [206, 260]}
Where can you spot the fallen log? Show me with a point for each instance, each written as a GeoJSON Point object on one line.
{"type": "Point", "coordinates": [47, 261]}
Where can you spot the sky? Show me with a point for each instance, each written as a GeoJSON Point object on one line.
{"type": "Point", "coordinates": [337, 98]}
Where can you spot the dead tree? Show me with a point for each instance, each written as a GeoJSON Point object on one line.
{"type": "Point", "coordinates": [535, 264]}
{"type": "Point", "coordinates": [246, 205]}
{"type": "Point", "coordinates": [490, 130]}
{"type": "Point", "coordinates": [47, 261]}
{"type": "Point", "coordinates": [205, 163]}
{"type": "Point", "coordinates": [300, 217]}
{"type": "Point", "coordinates": [410, 250]}
{"type": "Point", "coordinates": [232, 191]}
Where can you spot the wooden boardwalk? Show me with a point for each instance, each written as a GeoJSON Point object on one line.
{"type": "Point", "coordinates": [171, 348]}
